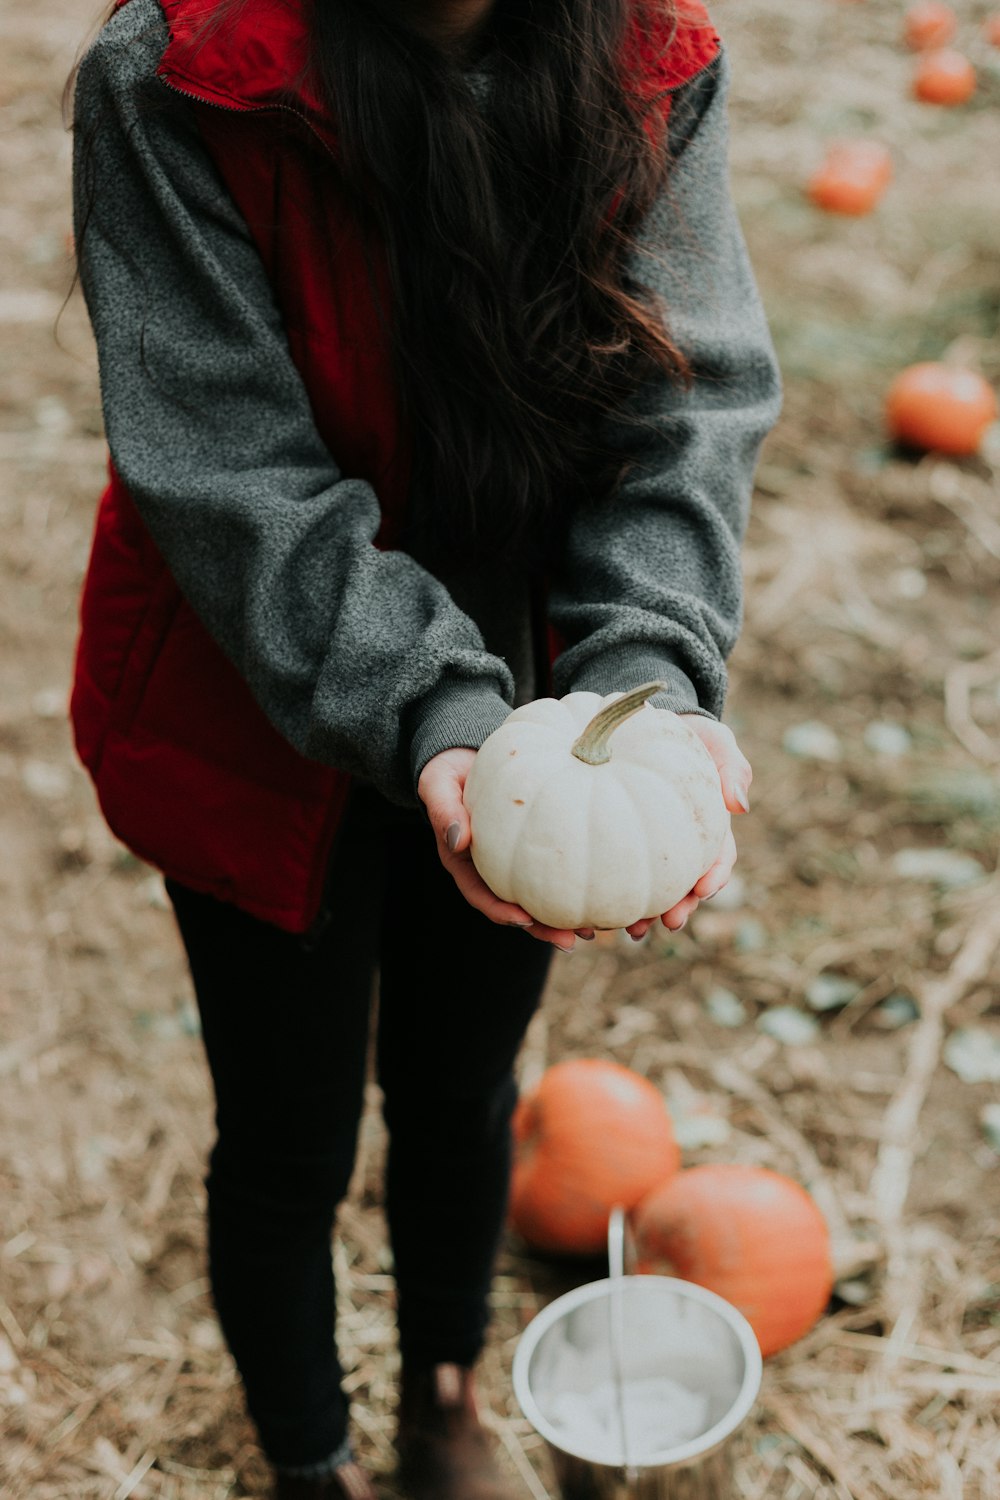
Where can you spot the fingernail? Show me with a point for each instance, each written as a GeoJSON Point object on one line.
{"type": "Point", "coordinates": [588, 937]}
{"type": "Point", "coordinates": [563, 949]}
{"type": "Point", "coordinates": [524, 926]}
{"type": "Point", "coordinates": [452, 836]}
{"type": "Point", "coordinates": [742, 798]}
{"type": "Point", "coordinates": [637, 937]}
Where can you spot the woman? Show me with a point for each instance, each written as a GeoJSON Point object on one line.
{"type": "Point", "coordinates": [433, 374]}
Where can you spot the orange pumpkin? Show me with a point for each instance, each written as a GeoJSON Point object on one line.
{"type": "Point", "coordinates": [940, 408]}
{"type": "Point", "coordinates": [852, 177]}
{"type": "Point", "coordinates": [944, 77]}
{"type": "Point", "coordinates": [749, 1234]}
{"type": "Point", "coordinates": [590, 1135]}
{"type": "Point", "coordinates": [991, 29]}
{"type": "Point", "coordinates": [929, 24]}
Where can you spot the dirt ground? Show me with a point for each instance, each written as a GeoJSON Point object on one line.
{"type": "Point", "coordinates": [866, 692]}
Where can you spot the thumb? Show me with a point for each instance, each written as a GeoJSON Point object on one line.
{"type": "Point", "coordinates": [442, 782]}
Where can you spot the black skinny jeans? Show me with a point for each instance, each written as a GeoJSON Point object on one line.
{"type": "Point", "coordinates": [285, 1028]}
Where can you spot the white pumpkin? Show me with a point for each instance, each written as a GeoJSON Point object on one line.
{"type": "Point", "coordinates": [586, 833]}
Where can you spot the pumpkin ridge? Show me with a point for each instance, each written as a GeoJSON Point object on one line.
{"type": "Point", "coordinates": [529, 808]}
{"type": "Point", "coordinates": [635, 834]}
{"type": "Point", "coordinates": [636, 802]}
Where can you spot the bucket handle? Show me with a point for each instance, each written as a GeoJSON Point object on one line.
{"type": "Point", "coordinates": [620, 1247]}
{"type": "Point", "coordinates": [619, 1243]}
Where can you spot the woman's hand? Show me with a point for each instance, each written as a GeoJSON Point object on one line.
{"type": "Point", "coordinates": [440, 788]}
{"type": "Point", "coordinates": [736, 775]}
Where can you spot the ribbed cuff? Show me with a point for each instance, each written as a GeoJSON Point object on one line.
{"type": "Point", "coordinates": [456, 714]}
{"type": "Point", "coordinates": [622, 668]}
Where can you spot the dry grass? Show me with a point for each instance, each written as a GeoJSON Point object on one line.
{"type": "Point", "coordinates": [872, 597]}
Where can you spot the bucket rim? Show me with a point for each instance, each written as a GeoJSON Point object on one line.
{"type": "Point", "coordinates": [696, 1448]}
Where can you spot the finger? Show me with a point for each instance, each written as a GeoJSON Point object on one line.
{"type": "Point", "coordinates": [735, 790]}
{"type": "Point", "coordinates": [735, 771]}
{"type": "Point", "coordinates": [716, 876]}
{"type": "Point", "coordinates": [478, 894]}
{"type": "Point", "coordinates": [563, 938]}
{"type": "Point", "coordinates": [506, 913]}
{"type": "Point", "coordinates": [675, 918]}
{"type": "Point", "coordinates": [638, 930]}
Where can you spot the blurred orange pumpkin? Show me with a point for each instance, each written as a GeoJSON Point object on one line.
{"type": "Point", "coordinates": [940, 408]}
{"type": "Point", "coordinates": [749, 1234]}
{"type": "Point", "coordinates": [944, 77]}
{"type": "Point", "coordinates": [929, 24]}
{"type": "Point", "coordinates": [852, 177]}
{"type": "Point", "coordinates": [590, 1135]}
{"type": "Point", "coordinates": [991, 29]}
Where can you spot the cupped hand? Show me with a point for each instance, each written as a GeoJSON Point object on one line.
{"type": "Point", "coordinates": [736, 775]}
{"type": "Point", "coordinates": [440, 788]}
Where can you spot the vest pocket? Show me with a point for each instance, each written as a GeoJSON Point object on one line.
{"type": "Point", "coordinates": [144, 652]}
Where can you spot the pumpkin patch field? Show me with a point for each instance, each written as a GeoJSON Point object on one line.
{"type": "Point", "coordinates": [832, 1016]}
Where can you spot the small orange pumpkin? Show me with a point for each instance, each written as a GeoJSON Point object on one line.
{"type": "Point", "coordinates": [991, 29]}
{"type": "Point", "coordinates": [749, 1234]}
{"type": "Point", "coordinates": [929, 24]}
{"type": "Point", "coordinates": [852, 177]}
{"type": "Point", "coordinates": [592, 1134]}
{"type": "Point", "coordinates": [944, 77]}
{"type": "Point", "coordinates": [940, 408]}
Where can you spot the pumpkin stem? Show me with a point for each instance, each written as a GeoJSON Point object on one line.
{"type": "Point", "coordinates": [592, 745]}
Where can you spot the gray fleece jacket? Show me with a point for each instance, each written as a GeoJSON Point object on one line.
{"type": "Point", "coordinates": [363, 658]}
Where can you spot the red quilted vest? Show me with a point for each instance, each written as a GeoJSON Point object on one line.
{"type": "Point", "coordinates": [189, 772]}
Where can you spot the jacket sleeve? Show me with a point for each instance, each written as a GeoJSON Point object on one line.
{"type": "Point", "coordinates": [351, 652]}
{"type": "Point", "coordinates": [649, 583]}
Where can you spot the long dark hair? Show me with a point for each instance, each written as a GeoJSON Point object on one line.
{"type": "Point", "coordinates": [515, 327]}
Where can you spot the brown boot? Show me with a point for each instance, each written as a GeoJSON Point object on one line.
{"type": "Point", "coordinates": [444, 1452]}
{"type": "Point", "coordinates": [348, 1482]}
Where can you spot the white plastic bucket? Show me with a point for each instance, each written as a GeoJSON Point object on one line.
{"type": "Point", "coordinates": [637, 1383]}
